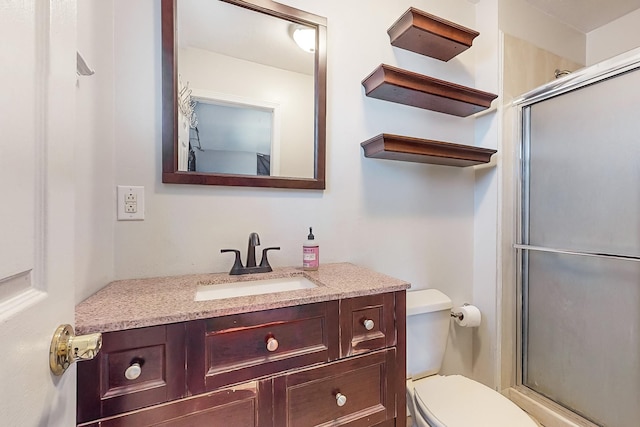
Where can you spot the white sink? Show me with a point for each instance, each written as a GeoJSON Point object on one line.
{"type": "Point", "coordinates": [252, 287]}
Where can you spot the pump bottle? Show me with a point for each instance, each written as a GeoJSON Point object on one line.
{"type": "Point", "coordinates": [310, 253]}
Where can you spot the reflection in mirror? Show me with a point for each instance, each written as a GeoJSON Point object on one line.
{"type": "Point", "coordinates": [250, 95]}
{"type": "Point", "coordinates": [232, 139]}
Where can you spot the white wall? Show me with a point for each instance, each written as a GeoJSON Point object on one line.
{"type": "Point", "coordinates": [94, 155]}
{"type": "Point", "coordinates": [485, 357]}
{"type": "Point", "coordinates": [518, 18]}
{"type": "Point", "coordinates": [614, 38]}
{"type": "Point", "coordinates": [412, 221]}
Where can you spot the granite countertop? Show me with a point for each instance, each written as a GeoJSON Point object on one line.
{"type": "Point", "coordinates": [136, 303]}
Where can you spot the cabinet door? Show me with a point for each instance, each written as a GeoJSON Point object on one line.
{"type": "Point", "coordinates": [238, 348]}
{"type": "Point", "coordinates": [367, 323]}
{"type": "Point", "coordinates": [313, 397]}
{"type": "Point", "coordinates": [240, 406]}
{"type": "Point", "coordinates": [107, 386]}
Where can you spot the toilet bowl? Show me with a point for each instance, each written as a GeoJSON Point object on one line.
{"type": "Point", "coordinates": [447, 400]}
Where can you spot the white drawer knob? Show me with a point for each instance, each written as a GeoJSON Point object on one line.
{"type": "Point", "coordinates": [341, 399]}
{"type": "Point", "coordinates": [368, 324]}
{"type": "Point", "coordinates": [272, 344]}
{"type": "Point", "coordinates": [133, 371]}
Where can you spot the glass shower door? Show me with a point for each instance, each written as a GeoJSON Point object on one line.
{"type": "Point", "coordinates": [580, 249]}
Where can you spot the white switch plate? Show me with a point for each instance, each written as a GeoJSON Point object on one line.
{"type": "Point", "coordinates": [130, 203]}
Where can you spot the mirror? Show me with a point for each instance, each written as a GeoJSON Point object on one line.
{"type": "Point", "coordinates": [243, 103]}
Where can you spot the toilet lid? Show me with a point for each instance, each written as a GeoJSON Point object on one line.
{"type": "Point", "coordinates": [457, 401]}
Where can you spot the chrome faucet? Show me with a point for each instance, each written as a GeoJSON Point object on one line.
{"type": "Point", "coordinates": [251, 267]}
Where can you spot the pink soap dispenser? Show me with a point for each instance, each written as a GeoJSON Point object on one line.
{"type": "Point", "coordinates": [310, 253]}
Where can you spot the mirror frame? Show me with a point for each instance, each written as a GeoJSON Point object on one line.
{"type": "Point", "coordinates": [170, 172]}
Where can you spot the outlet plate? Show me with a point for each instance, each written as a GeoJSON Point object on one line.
{"type": "Point", "coordinates": [130, 203]}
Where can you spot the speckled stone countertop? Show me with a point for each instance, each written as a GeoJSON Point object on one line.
{"type": "Point", "coordinates": [128, 304]}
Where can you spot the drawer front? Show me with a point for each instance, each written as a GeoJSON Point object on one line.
{"type": "Point", "coordinates": [105, 390]}
{"type": "Point", "coordinates": [367, 323]}
{"type": "Point", "coordinates": [311, 397]}
{"type": "Point", "coordinates": [238, 348]}
{"type": "Point", "coordinates": [237, 407]}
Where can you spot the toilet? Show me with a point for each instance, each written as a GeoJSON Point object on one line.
{"type": "Point", "coordinates": [447, 400]}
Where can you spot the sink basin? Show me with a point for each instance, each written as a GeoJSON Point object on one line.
{"type": "Point", "coordinates": [252, 287]}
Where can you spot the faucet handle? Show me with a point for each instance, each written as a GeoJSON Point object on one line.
{"type": "Point", "coordinates": [265, 262]}
{"type": "Point", "coordinates": [237, 264]}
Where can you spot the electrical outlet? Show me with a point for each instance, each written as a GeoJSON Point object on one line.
{"type": "Point", "coordinates": [130, 203]}
{"type": "Point", "coordinates": [130, 207]}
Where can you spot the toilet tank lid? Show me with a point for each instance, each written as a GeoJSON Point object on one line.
{"type": "Point", "coordinates": [427, 301]}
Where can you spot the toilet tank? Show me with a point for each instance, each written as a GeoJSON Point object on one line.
{"type": "Point", "coordinates": [428, 319]}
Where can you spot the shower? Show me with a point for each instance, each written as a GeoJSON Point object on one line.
{"type": "Point", "coordinates": [560, 73]}
{"type": "Point", "coordinates": [578, 248]}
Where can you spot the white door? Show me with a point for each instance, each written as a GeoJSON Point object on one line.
{"type": "Point", "coordinates": [37, 103]}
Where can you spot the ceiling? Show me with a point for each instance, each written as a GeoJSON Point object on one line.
{"type": "Point", "coordinates": [241, 33]}
{"type": "Point", "coordinates": [586, 15]}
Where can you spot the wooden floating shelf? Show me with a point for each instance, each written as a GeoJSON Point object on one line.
{"type": "Point", "coordinates": [405, 87]}
{"type": "Point", "coordinates": [407, 149]}
{"type": "Point", "coordinates": [430, 35]}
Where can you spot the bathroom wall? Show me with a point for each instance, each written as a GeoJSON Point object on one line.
{"type": "Point", "coordinates": [493, 18]}
{"type": "Point", "coordinates": [484, 360]}
{"type": "Point", "coordinates": [412, 221]}
{"type": "Point", "coordinates": [520, 19]}
{"type": "Point", "coordinates": [95, 151]}
{"type": "Point", "coordinates": [527, 66]}
{"type": "Point", "coordinates": [614, 38]}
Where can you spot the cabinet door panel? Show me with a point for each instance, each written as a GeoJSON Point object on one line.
{"type": "Point", "coordinates": [238, 407]}
{"type": "Point", "coordinates": [354, 312]}
{"type": "Point", "coordinates": [309, 397]}
{"type": "Point", "coordinates": [233, 349]}
{"type": "Point", "coordinates": [103, 388]}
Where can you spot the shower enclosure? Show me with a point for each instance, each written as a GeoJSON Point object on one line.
{"type": "Point", "coordinates": [579, 242]}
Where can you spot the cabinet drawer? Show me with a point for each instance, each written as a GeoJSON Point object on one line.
{"type": "Point", "coordinates": [237, 348]}
{"type": "Point", "coordinates": [103, 388]}
{"type": "Point", "coordinates": [367, 323]}
{"type": "Point", "coordinates": [310, 397]}
{"type": "Point", "coordinates": [237, 407]}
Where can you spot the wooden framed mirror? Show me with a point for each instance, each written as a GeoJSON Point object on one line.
{"type": "Point", "coordinates": [242, 103]}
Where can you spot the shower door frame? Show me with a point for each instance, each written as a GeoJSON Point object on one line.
{"type": "Point", "coordinates": [545, 409]}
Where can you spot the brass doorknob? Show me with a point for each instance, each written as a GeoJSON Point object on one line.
{"type": "Point", "coordinates": [67, 348]}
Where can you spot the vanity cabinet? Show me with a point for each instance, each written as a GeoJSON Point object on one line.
{"type": "Point", "coordinates": [338, 362]}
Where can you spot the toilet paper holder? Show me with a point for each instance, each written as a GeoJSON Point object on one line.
{"type": "Point", "coordinates": [459, 316]}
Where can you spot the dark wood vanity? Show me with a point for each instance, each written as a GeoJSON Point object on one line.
{"type": "Point", "coordinates": [339, 362]}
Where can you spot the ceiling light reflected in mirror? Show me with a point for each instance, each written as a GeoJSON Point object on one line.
{"type": "Point", "coordinates": [305, 38]}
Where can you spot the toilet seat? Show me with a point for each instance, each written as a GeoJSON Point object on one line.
{"type": "Point", "coordinates": [457, 401]}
